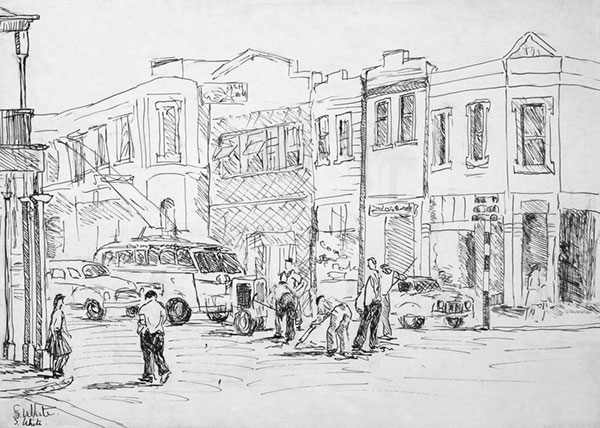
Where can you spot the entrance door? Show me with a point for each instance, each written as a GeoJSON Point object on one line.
{"type": "Point", "coordinates": [400, 244]}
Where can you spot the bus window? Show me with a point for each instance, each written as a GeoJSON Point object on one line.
{"type": "Point", "coordinates": [184, 258]}
{"type": "Point", "coordinates": [167, 257]}
{"type": "Point", "coordinates": [208, 262]}
{"type": "Point", "coordinates": [108, 259]}
{"type": "Point", "coordinates": [153, 256]}
{"type": "Point", "coordinates": [125, 257]}
{"type": "Point", "coordinates": [230, 263]}
{"type": "Point", "coordinates": [140, 257]}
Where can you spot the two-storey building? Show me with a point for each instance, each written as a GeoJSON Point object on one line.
{"type": "Point", "coordinates": [128, 162]}
{"type": "Point", "coordinates": [513, 143]}
{"type": "Point", "coordinates": [337, 113]}
{"type": "Point", "coordinates": [395, 137]}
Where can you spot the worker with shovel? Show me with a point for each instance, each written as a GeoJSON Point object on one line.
{"type": "Point", "coordinates": [339, 315]}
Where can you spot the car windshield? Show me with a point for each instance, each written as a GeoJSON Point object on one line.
{"type": "Point", "coordinates": [94, 271]}
{"type": "Point", "coordinates": [214, 262]}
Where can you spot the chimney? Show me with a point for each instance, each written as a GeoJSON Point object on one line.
{"type": "Point", "coordinates": [396, 56]}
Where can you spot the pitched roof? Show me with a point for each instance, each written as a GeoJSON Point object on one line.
{"type": "Point", "coordinates": [248, 55]}
{"type": "Point", "coordinates": [530, 44]}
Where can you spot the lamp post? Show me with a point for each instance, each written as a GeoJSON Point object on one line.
{"type": "Point", "coordinates": [8, 348]}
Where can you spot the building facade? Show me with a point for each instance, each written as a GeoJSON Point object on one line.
{"type": "Point", "coordinates": [126, 165]}
{"type": "Point", "coordinates": [337, 114]}
{"type": "Point", "coordinates": [23, 308]}
{"type": "Point", "coordinates": [395, 140]}
{"type": "Point", "coordinates": [510, 142]}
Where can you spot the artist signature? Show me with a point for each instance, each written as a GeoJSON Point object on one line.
{"type": "Point", "coordinates": [31, 415]}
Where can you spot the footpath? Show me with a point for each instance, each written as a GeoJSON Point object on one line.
{"type": "Point", "coordinates": [18, 379]}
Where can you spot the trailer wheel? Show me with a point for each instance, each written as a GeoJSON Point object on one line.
{"type": "Point", "coordinates": [132, 311]}
{"type": "Point", "coordinates": [261, 323]}
{"type": "Point", "coordinates": [244, 323]}
{"type": "Point", "coordinates": [178, 311]}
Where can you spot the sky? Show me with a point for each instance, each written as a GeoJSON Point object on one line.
{"type": "Point", "coordinates": [83, 51]}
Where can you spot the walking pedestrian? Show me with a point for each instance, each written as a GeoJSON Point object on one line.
{"type": "Point", "coordinates": [286, 306]}
{"type": "Point", "coordinates": [368, 305]}
{"type": "Point", "coordinates": [56, 345]}
{"type": "Point", "coordinates": [152, 338]}
{"type": "Point", "coordinates": [339, 320]}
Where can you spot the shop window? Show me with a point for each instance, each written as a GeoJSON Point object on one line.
{"type": "Point", "coordinates": [292, 146]}
{"type": "Point", "coordinates": [101, 153]}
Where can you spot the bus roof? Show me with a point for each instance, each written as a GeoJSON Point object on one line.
{"type": "Point", "coordinates": [160, 241]}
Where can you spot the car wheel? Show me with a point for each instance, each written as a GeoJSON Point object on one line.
{"type": "Point", "coordinates": [178, 311]}
{"type": "Point", "coordinates": [409, 321]}
{"type": "Point", "coordinates": [455, 322]}
{"type": "Point", "coordinates": [244, 323]}
{"type": "Point", "coordinates": [94, 310]}
{"type": "Point", "coordinates": [217, 316]}
{"type": "Point", "coordinates": [132, 311]}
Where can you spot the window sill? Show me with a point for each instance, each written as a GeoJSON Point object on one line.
{"type": "Point", "coordinates": [436, 168]}
{"type": "Point", "coordinates": [343, 159]}
{"type": "Point", "coordinates": [406, 143]}
{"type": "Point", "coordinates": [534, 169]}
{"type": "Point", "coordinates": [168, 158]}
{"type": "Point", "coordinates": [378, 148]}
{"type": "Point", "coordinates": [472, 163]}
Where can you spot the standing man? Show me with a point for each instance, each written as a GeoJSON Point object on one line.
{"type": "Point", "coordinates": [300, 286]}
{"type": "Point", "coordinates": [152, 337]}
{"type": "Point", "coordinates": [389, 279]}
{"type": "Point", "coordinates": [368, 305]}
{"type": "Point", "coordinates": [340, 315]}
{"type": "Point", "coordinates": [286, 305]}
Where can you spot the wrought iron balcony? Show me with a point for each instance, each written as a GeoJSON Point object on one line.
{"type": "Point", "coordinates": [15, 127]}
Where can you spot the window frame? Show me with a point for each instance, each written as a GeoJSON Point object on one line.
{"type": "Point", "coordinates": [349, 155]}
{"type": "Point", "coordinates": [119, 124]}
{"type": "Point", "coordinates": [470, 160]}
{"type": "Point", "coordinates": [161, 107]}
{"type": "Point", "coordinates": [99, 160]}
{"type": "Point", "coordinates": [517, 107]}
{"type": "Point", "coordinates": [446, 114]}
{"type": "Point", "coordinates": [388, 142]}
{"type": "Point", "coordinates": [401, 101]}
{"type": "Point", "coordinates": [323, 141]}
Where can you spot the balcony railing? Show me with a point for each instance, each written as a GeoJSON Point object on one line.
{"type": "Point", "coordinates": [15, 127]}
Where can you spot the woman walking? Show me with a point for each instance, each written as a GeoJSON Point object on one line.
{"type": "Point", "coordinates": [56, 344]}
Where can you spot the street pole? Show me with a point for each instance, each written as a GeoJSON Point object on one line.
{"type": "Point", "coordinates": [487, 235]}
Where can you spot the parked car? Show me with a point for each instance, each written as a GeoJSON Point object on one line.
{"type": "Point", "coordinates": [89, 285]}
{"type": "Point", "coordinates": [419, 298]}
{"type": "Point", "coordinates": [200, 276]}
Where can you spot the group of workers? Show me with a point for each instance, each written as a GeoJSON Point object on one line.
{"type": "Point", "coordinates": [292, 299]}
